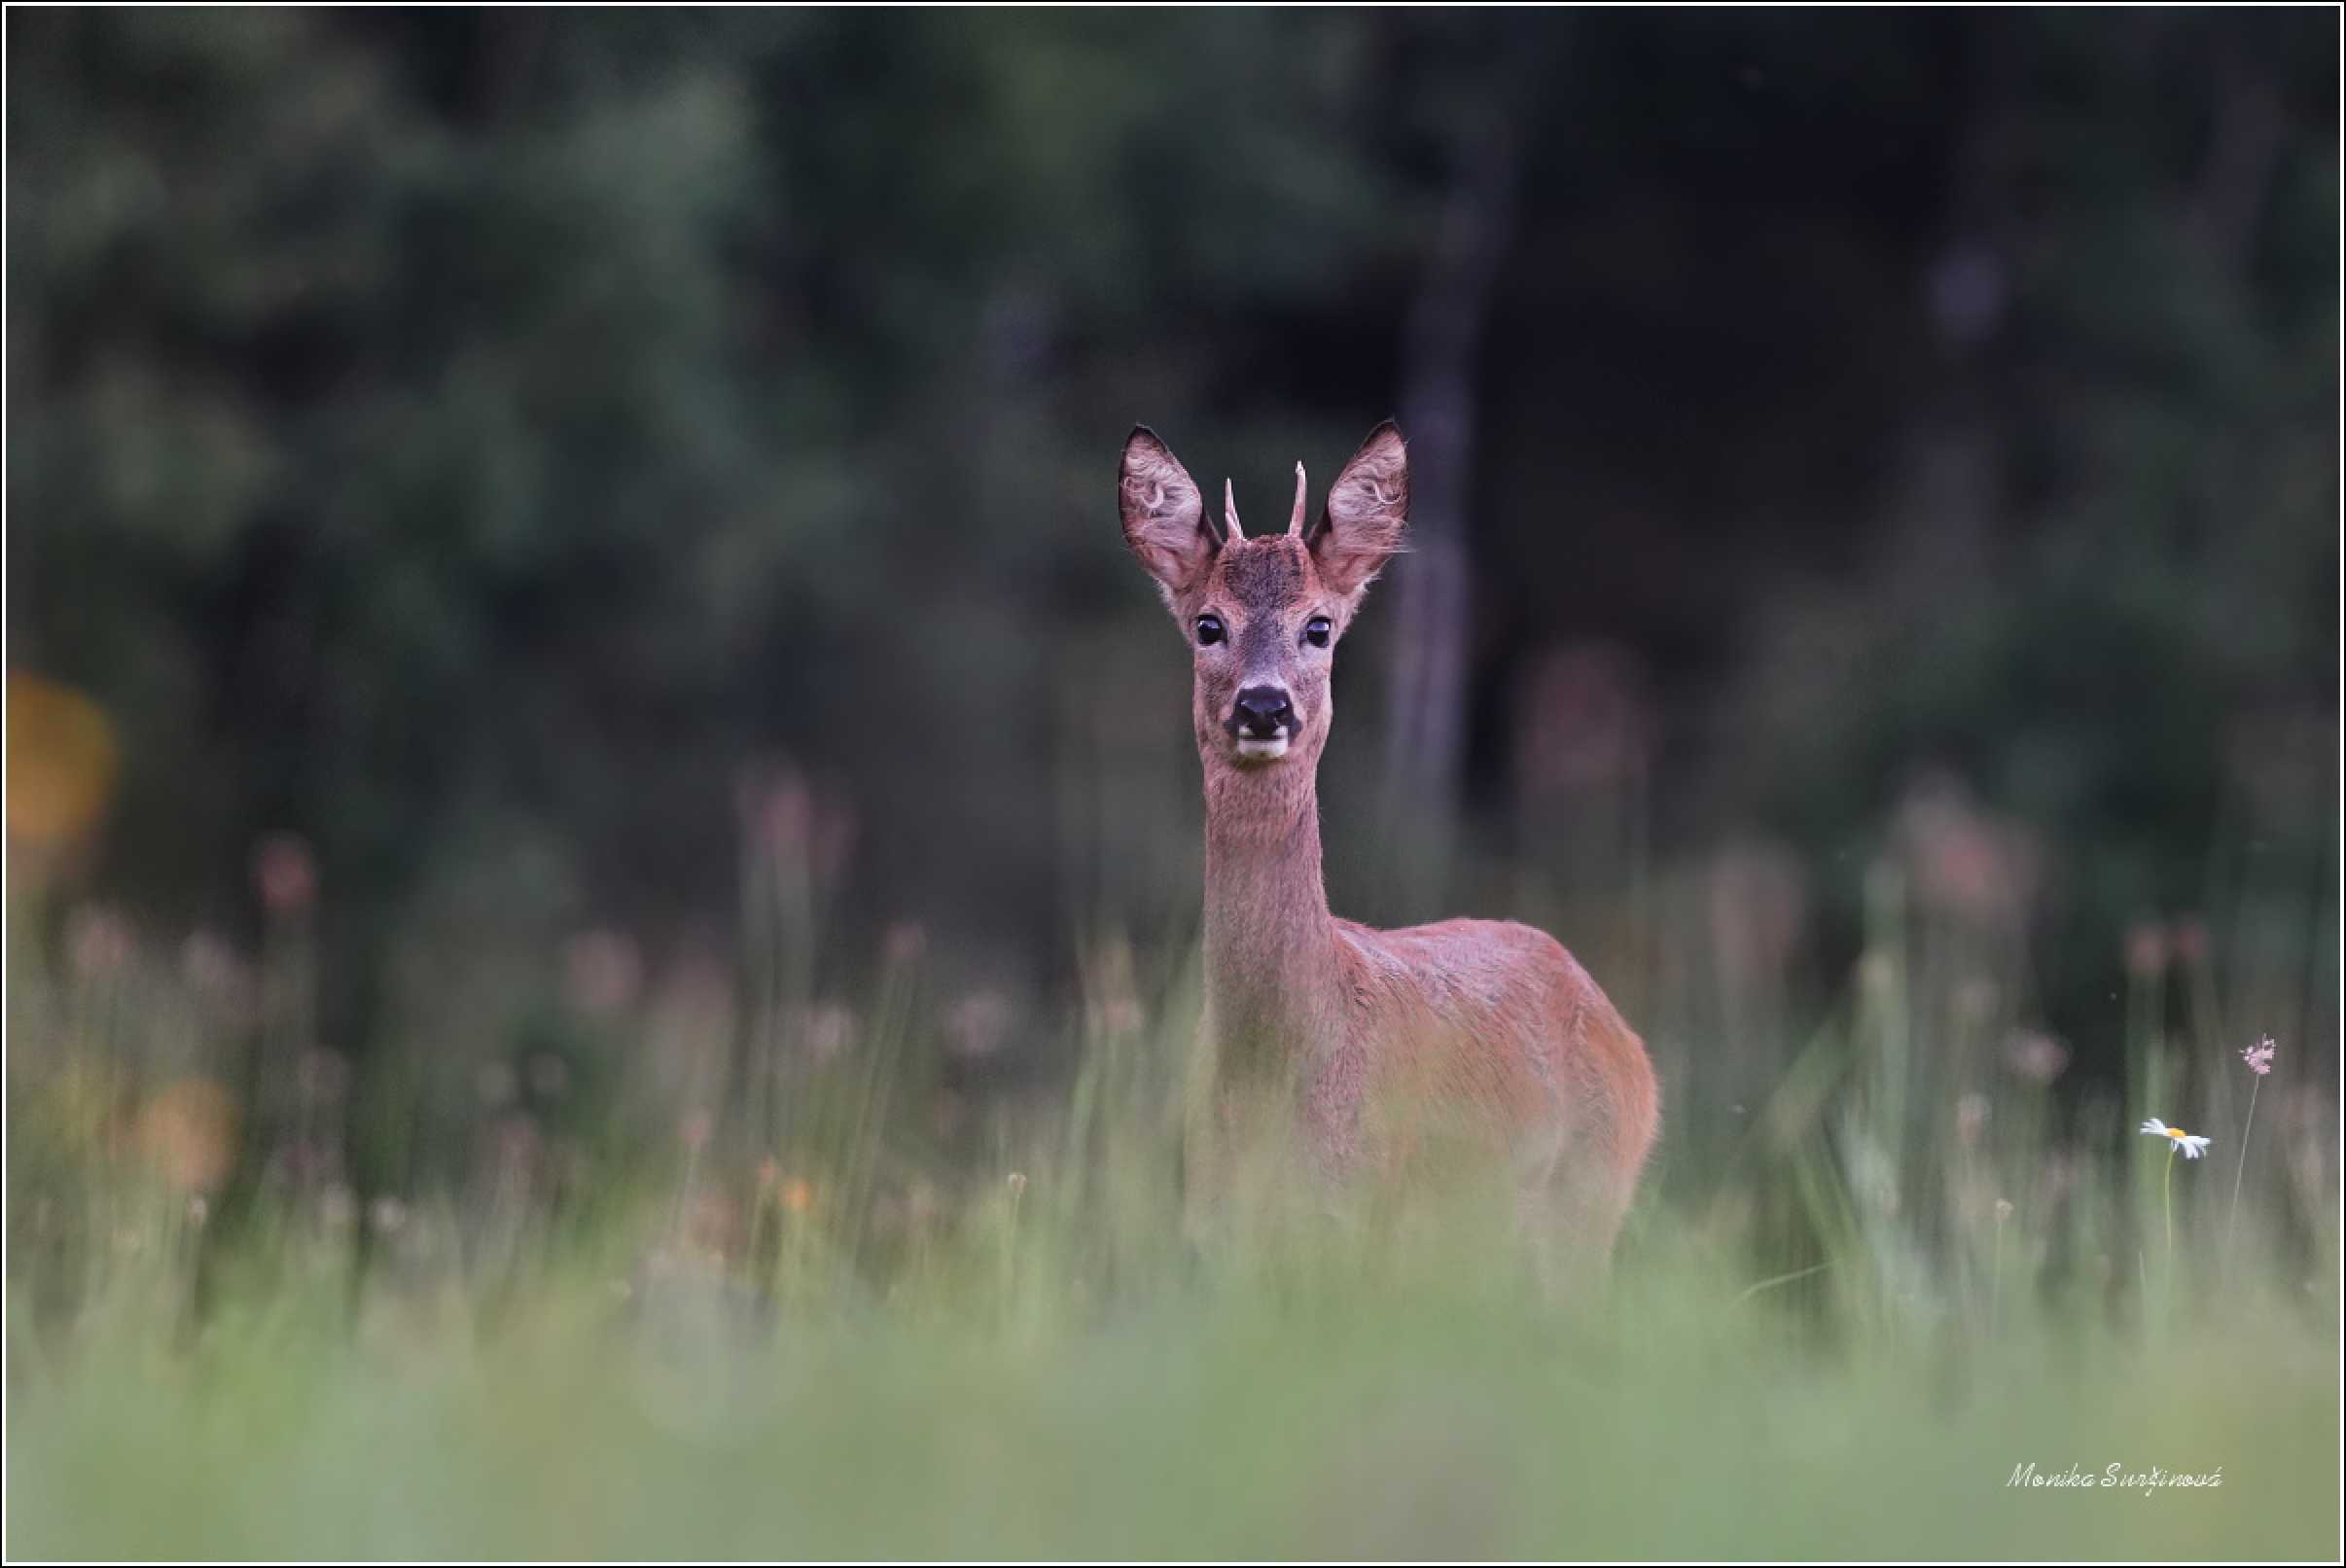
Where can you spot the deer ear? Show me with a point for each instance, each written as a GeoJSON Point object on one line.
{"type": "Point", "coordinates": [1166, 522]}
{"type": "Point", "coordinates": [1367, 508]}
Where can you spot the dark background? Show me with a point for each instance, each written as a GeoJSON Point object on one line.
{"type": "Point", "coordinates": [526, 456]}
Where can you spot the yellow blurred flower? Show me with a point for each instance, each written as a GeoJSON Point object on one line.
{"type": "Point", "coordinates": [62, 759]}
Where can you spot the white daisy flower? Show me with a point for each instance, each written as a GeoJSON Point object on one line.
{"type": "Point", "coordinates": [2191, 1144]}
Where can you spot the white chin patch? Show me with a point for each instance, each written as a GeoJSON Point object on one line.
{"type": "Point", "coordinates": [1262, 751]}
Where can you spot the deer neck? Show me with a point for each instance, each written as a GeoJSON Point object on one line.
{"type": "Point", "coordinates": [1271, 982]}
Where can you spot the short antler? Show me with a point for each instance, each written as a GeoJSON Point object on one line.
{"type": "Point", "coordinates": [1229, 511]}
{"type": "Point", "coordinates": [1294, 521]}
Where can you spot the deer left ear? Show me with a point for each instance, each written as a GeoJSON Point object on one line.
{"type": "Point", "coordinates": [1365, 521]}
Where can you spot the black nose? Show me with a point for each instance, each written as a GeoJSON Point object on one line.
{"type": "Point", "coordinates": [1261, 713]}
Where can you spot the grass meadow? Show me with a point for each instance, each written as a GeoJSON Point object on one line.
{"type": "Point", "coordinates": [603, 848]}
{"type": "Point", "coordinates": [716, 1270]}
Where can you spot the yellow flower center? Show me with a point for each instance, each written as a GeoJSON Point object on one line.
{"type": "Point", "coordinates": [2178, 1134]}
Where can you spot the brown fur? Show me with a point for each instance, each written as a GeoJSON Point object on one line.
{"type": "Point", "coordinates": [1486, 1026]}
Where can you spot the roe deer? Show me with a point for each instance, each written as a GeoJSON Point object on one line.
{"type": "Point", "coordinates": [1490, 1025]}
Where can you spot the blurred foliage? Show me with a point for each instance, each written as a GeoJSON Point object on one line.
{"type": "Point", "coordinates": [487, 445]}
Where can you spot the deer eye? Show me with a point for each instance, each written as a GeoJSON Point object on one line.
{"type": "Point", "coordinates": [1209, 630]}
{"type": "Point", "coordinates": [1317, 631]}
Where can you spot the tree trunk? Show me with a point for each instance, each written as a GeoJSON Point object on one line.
{"type": "Point", "coordinates": [1425, 727]}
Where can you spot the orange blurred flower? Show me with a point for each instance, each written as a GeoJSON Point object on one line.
{"type": "Point", "coordinates": [603, 971]}
{"type": "Point", "coordinates": [99, 941]}
{"type": "Point", "coordinates": [776, 807]}
{"type": "Point", "coordinates": [2188, 938]}
{"type": "Point", "coordinates": [2147, 950]}
{"type": "Point", "coordinates": [188, 1132]}
{"type": "Point", "coordinates": [286, 873]}
{"type": "Point", "coordinates": [2036, 1055]}
{"type": "Point", "coordinates": [906, 941]}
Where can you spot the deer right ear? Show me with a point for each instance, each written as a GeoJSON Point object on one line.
{"type": "Point", "coordinates": [1166, 522]}
{"type": "Point", "coordinates": [1366, 515]}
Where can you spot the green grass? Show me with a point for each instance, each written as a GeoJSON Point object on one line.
{"type": "Point", "coordinates": [1349, 1404]}
{"type": "Point", "coordinates": [1822, 1336]}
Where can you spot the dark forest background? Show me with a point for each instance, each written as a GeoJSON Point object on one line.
{"type": "Point", "coordinates": [510, 469]}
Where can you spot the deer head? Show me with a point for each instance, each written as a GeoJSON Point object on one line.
{"type": "Point", "coordinates": [1264, 614]}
